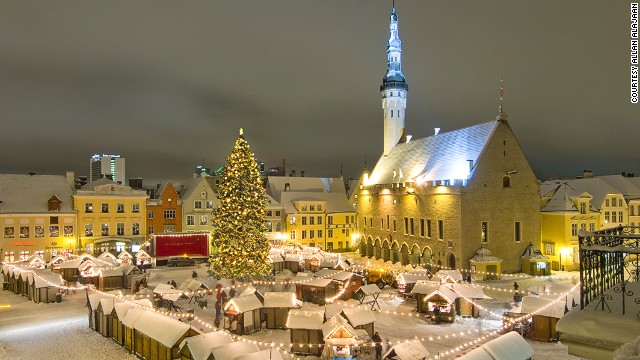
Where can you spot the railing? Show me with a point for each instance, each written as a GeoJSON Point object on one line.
{"type": "Point", "coordinates": [608, 260]}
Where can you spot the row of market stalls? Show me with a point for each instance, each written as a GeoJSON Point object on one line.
{"type": "Point", "coordinates": [151, 335]}
{"type": "Point", "coordinates": [38, 285]}
{"type": "Point", "coordinates": [299, 259]}
{"type": "Point", "coordinates": [105, 272]}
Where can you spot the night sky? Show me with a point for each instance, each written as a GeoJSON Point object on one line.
{"type": "Point", "coordinates": [167, 84]}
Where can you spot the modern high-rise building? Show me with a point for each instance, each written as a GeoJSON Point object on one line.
{"type": "Point", "coordinates": [107, 166]}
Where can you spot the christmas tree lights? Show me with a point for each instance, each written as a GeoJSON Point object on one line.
{"type": "Point", "coordinates": [240, 247]}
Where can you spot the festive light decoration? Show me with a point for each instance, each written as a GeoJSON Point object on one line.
{"type": "Point", "coordinates": [240, 248]}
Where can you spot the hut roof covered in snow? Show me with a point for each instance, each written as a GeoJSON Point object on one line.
{"type": "Point", "coordinates": [336, 323]}
{"type": "Point", "coordinates": [359, 315]}
{"type": "Point", "coordinates": [133, 315]}
{"type": "Point", "coordinates": [305, 319]}
{"type": "Point", "coordinates": [509, 346]}
{"type": "Point", "coordinates": [470, 291]}
{"type": "Point", "coordinates": [542, 306]}
{"type": "Point", "coordinates": [243, 303]}
{"type": "Point", "coordinates": [407, 350]}
{"type": "Point", "coordinates": [200, 346]}
{"type": "Point", "coordinates": [281, 300]}
{"type": "Point", "coordinates": [233, 350]}
{"type": "Point", "coordinates": [267, 354]}
{"type": "Point", "coordinates": [425, 287]}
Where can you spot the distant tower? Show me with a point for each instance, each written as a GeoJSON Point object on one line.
{"type": "Point", "coordinates": [394, 89]}
{"type": "Point", "coordinates": [109, 166]}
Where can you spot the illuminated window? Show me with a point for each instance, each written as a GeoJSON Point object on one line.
{"type": "Point", "coordinates": [88, 229]}
{"type": "Point", "coordinates": [67, 230]}
{"type": "Point", "coordinates": [150, 214]}
{"type": "Point", "coordinates": [574, 229]}
{"type": "Point", "coordinates": [9, 256]}
{"type": "Point", "coordinates": [54, 231]}
{"type": "Point", "coordinates": [170, 228]}
{"type": "Point", "coordinates": [104, 229]}
{"type": "Point", "coordinates": [120, 208]}
{"type": "Point", "coordinates": [39, 231]}
{"type": "Point", "coordinates": [312, 208]}
{"type": "Point", "coordinates": [606, 202]}
{"type": "Point", "coordinates": [303, 208]}
{"type": "Point", "coordinates": [607, 216]}
{"type": "Point", "coordinates": [191, 220]}
{"type": "Point", "coordinates": [292, 220]}
{"type": "Point", "coordinates": [619, 202]}
{"type": "Point", "coordinates": [549, 249]}
{"type": "Point", "coordinates": [120, 229]}
{"type": "Point", "coordinates": [319, 207]}
{"type": "Point", "coordinates": [24, 255]}
{"type": "Point", "coordinates": [583, 208]}
{"type": "Point", "coordinates": [203, 219]}
{"type": "Point", "coordinates": [135, 207]}
{"type": "Point", "coordinates": [24, 232]}
{"type": "Point", "coordinates": [484, 227]}
{"type": "Point", "coordinates": [592, 226]}
{"type": "Point", "coordinates": [88, 207]}
{"type": "Point", "coordinates": [292, 234]}
{"type": "Point", "coordinates": [209, 204]}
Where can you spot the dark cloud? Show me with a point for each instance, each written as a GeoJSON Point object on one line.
{"type": "Point", "coordinates": [167, 84]}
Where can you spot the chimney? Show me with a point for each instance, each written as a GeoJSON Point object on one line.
{"type": "Point", "coordinates": [587, 174]}
{"type": "Point", "coordinates": [436, 131]}
{"type": "Point", "coordinates": [70, 178]}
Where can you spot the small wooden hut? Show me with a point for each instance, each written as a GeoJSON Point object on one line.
{"type": "Point", "coordinates": [120, 310]}
{"type": "Point", "coordinates": [340, 339]}
{"type": "Point", "coordinates": [407, 350]}
{"type": "Point", "coordinates": [316, 290]}
{"type": "Point", "coordinates": [305, 330]}
{"type": "Point", "coordinates": [109, 279]}
{"type": "Point", "coordinates": [467, 295]}
{"type": "Point", "coordinates": [406, 281]}
{"type": "Point", "coordinates": [55, 262]}
{"type": "Point", "coordinates": [277, 261]}
{"type": "Point", "coordinates": [108, 257]}
{"type": "Point", "coordinates": [277, 306]}
{"type": "Point", "coordinates": [509, 346]}
{"type": "Point", "coordinates": [199, 347]}
{"type": "Point", "coordinates": [547, 313]}
{"type": "Point", "coordinates": [444, 299]}
{"type": "Point", "coordinates": [448, 276]}
{"type": "Point", "coordinates": [292, 263]}
{"type": "Point", "coordinates": [243, 313]}
{"type": "Point", "coordinates": [45, 286]}
{"type": "Point", "coordinates": [104, 311]}
{"type": "Point", "coordinates": [360, 318]}
{"type": "Point", "coordinates": [130, 274]}
{"type": "Point", "coordinates": [485, 266]}
{"type": "Point", "coordinates": [158, 337]}
{"type": "Point", "coordinates": [233, 350]}
{"type": "Point", "coordinates": [534, 263]}
{"type": "Point", "coordinates": [94, 317]}
{"type": "Point", "coordinates": [368, 294]}
{"type": "Point", "coordinates": [128, 322]}
{"type": "Point", "coordinates": [420, 291]}
{"type": "Point", "coordinates": [125, 257]}
{"type": "Point", "coordinates": [143, 259]}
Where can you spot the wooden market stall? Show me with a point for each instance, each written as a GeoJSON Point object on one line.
{"type": "Point", "coordinates": [125, 257]}
{"type": "Point", "coordinates": [305, 330]}
{"type": "Point", "coordinates": [243, 314]}
{"type": "Point", "coordinates": [45, 286]}
{"type": "Point", "coordinates": [130, 274]}
{"type": "Point", "coordinates": [54, 263]}
{"type": "Point", "coordinates": [534, 263]}
{"type": "Point", "coordinates": [448, 276]}
{"type": "Point", "coordinates": [292, 263]}
{"type": "Point", "coordinates": [340, 339]}
{"type": "Point", "coordinates": [143, 259]}
{"type": "Point", "coordinates": [467, 295]}
{"type": "Point", "coordinates": [277, 306]}
{"type": "Point", "coordinates": [277, 261]}
{"type": "Point", "coordinates": [128, 323]}
{"type": "Point", "coordinates": [368, 294]}
{"type": "Point", "coordinates": [316, 290]}
{"type": "Point", "coordinates": [199, 347]}
{"type": "Point", "coordinates": [360, 318]}
{"type": "Point", "coordinates": [348, 282]}
{"type": "Point", "coordinates": [157, 337]}
{"type": "Point", "coordinates": [547, 313]}
{"type": "Point", "coordinates": [94, 317]}
{"type": "Point", "coordinates": [443, 299]}
{"type": "Point", "coordinates": [108, 257]}
{"type": "Point", "coordinates": [407, 280]}
{"type": "Point", "coordinates": [508, 346]}
{"type": "Point", "coordinates": [120, 310]}
{"type": "Point", "coordinates": [105, 313]}
{"type": "Point", "coordinates": [109, 279]}
{"type": "Point", "coordinates": [420, 291]}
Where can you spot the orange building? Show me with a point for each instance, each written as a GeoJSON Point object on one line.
{"type": "Point", "coordinates": [164, 211]}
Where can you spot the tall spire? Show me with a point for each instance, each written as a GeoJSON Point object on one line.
{"type": "Point", "coordinates": [501, 114]}
{"type": "Point", "coordinates": [394, 88]}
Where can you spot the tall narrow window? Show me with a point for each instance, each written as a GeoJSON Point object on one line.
{"type": "Point", "coordinates": [429, 228]}
{"type": "Point", "coordinates": [411, 227]}
{"type": "Point", "coordinates": [406, 226]}
{"type": "Point", "coordinates": [440, 229]}
{"type": "Point", "coordinates": [583, 208]}
{"type": "Point", "coordinates": [516, 231]}
{"type": "Point", "coordinates": [485, 231]}
{"type": "Point", "coordinates": [506, 181]}
{"type": "Point", "coordinates": [421, 227]}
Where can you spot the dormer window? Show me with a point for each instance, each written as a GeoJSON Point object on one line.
{"type": "Point", "coordinates": [583, 208]}
{"type": "Point", "coordinates": [54, 204]}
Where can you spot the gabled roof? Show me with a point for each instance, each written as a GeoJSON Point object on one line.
{"type": "Point", "coordinates": [276, 185]}
{"type": "Point", "coordinates": [233, 350]}
{"type": "Point", "coordinates": [31, 193]}
{"type": "Point", "coordinates": [305, 319]}
{"type": "Point", "coordinates": [334, 202]}
{"type": "Point", "coordinates": [626, 187]}
{"type": "Point", "coordinates": [438, 157]}
{"type": "Point", "coordinates": [244, 303]}
{"type": "Point", "coordinates": [200, 346]}
{"type": "Point", "coordinates": [280, 299]}
{"type": "Point", "coordinates": [106, 304]}
{"type": "Point", "coordinates": [408, 350]}
{"type": "Point", "coordinates": [470, 291]}
{"type": "Point", "coordinates": [164, 329]}
{"type": "Point", "coordinates": [359, 315]}
{"type": "Point", "coordinates": [335, 323]}
{"type": "Point", "coordinates": [596, 187]}
{"type": "Point", "coordinates": [100, 182]}
{"type": "Point", "coordinates": [509, 346]}
{"type": "Point", "coordinates": [559, 200]}
{"type": "Point", "coordinates": [194, 184]}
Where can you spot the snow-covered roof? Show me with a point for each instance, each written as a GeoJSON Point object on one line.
{"type": "Point", "coordinates": [438, 157]}
{"type": "Point", "coordinates": [425, 287]}
{"type": "Point", "coordinates": [233, 350]}
{"type": "Point", "coordinates": [305, 319]}
{"type": "Point", "coordinates": [445, 292]}
{"type": "Point", "coordinates": [470, 291]}
{"type": "Point", "coordinates": [128, 268]}
{"type": "Point", "coordinates": [276, 258]}
{"type": "Point", "coordinates": [276, 185]}
{"type": "Point", "coordinates": [454, 275]}
{"type": "Point", "coordinates": [484, 255]}
{"type": "Point", "coordinates": [107, 255]}
{"type": "Point", "coordinates": [109, 272]}
{"type": "Point", "coordinates": [46, 278]}
{"type": "Point", "coordinates": [533, 253]}
{"type": "Point", "coordinates": [370, 289]}
{"type": "Point", "coordinates": [141, 254]}
{"type": "Point", "coordinates": [542, 306]}
{"type": "Point", "coordinates": [326, 273]}
{"type": "Point", "coordinates": [71, 264]}
{"type": "Point", "coordinates": [191, 284]}
{"type": "Point", "coordinates": [597, 187]}
{"type": "Point", "coordinates": [200, 345]}
{"type": "Point", "coordinates": [413, 277]}
{"type": "Point", "coordinates": [124, 255]}
{"type": "Point", "coordinates": [315, 282]}
{"type": "Point", "coordinates": [292, 257]}
{"type": "Point", "coordinates": [337, 322]}
{"type": "Point", "coordinates": [31, 193]}
{"type": "Point", "coordinates": [334, 274]}
{"type": "Point", "coordinates": [408, 350]}
{"type": "Point", "coordinates": [107, 304]}
{"type": "Point", "coordinates": [58, 258]}
{"type": "Point", "coordinates": [334, 202]}
{"type": "Point", "coordinates": [133, 315]}
{"type": "Point", "coordinates": [268, 354]}
{"type": "Point", "coordinates": [280, 299]}
{"type": "Point", "coordinates": [144, 302]}
{"type": "Point", "coordinates": [359, 315]}
{"type": "Point", "coordinates": [242, 304]}
{"type": "Point", "coordinates": [122, 308]}
{"type": "Point", "coordinates": [94, 300]}
{"type": "Point", "coordinates": [509, 346]}
{"type": "Point", "coordinates": [476, 354]}
{"type": "Point", "coordinates": [165, 330]}
{"type": "Point", "coordinates": [168, 292]}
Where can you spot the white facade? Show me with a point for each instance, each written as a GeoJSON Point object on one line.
{"type": "Point", "coordinates": [109, 166]}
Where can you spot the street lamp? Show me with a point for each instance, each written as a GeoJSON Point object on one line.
{"type": "Point", "coordinates": [565, 252]}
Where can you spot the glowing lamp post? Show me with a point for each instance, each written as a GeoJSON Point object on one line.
{"type": "Point", "coordinates": [563, 252]}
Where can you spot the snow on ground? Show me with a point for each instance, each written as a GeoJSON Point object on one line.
{"type": "Point", "coordinates": [61, 331]}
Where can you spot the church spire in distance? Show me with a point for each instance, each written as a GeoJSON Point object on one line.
{"type": "Point", "coordinates": [394, 88]}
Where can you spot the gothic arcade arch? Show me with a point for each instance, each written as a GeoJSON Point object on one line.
{"type": "Point", "coordinates": [377, 249]}
{"type": "Point", "coordinates": [395, 252]}
{"type": "Point", "coordinates": [386, 250]}
{"type": "Point", "coordinates": [404, 254]}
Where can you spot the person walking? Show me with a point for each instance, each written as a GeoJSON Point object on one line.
{"type": "Point", "coordinates": [377, 339]}
{"type": "Point", "coordinates": [515, 286]}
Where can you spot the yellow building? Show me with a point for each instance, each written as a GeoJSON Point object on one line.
{"type": "Point", "coordinates": [111, 217]}
{"type": "Point", "coordinates": [36, 216]}
{"type": "Point", "coordinates": [317, 212]}
{"type": "Point", "coordinates": [588, 203]}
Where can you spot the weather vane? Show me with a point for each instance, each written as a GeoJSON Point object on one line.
{"type": "Point", "coordinates": [241, 131]}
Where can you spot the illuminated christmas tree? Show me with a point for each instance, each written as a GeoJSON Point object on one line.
{"type": "Point", "coordinates": [240, 246]}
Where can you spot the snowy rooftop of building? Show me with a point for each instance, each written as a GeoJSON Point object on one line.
{"type": "Point", "coordinates": [233, 350]}
{"type": "Point", "coordinates": [337, 322]}
{"type": "Point", "coordinates": [359, 315]}
{"type": "Point", "coordinates": [280, 299]}
{"type": "Point", "coordinates": [165, 330]}
{"type": "Point", "coordinates": [408, 350]}
{"type": "Point", "coordinates": [334, 202]}
{"type": "Point", "coordinates": [200, 346]}
{"type": "Point", "coordinates": [31, 193]}
{"type": "Point", "coordinates": [276, 185]}
{"type": "Point", "coordinates": [443, 156]}
{"type": "Point", "coordinates": [305, 319]}
{"type": "Point", "coordinates": [470, 291]}
{"type": "Point", "coordinates": [243, 303]}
